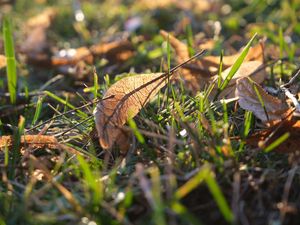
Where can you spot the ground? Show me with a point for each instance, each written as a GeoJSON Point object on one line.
{"type": "Point", "coordinates": [186, 157]}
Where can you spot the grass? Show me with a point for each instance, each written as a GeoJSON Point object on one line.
{"type": "Point", "coordinates": [185, 164]}
{"type": "Point", "coordinates": [11, 70]}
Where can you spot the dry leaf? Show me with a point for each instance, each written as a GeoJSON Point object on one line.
{"type": "Point", "coordinates": [35, 141]}
{"type": "Point", "coordinates": [199, 73]}
{"type": "Point", "coordinates": [36, 37]}
{"type": "Point", "coordinates": [197, 5]}
{"type": "Point", "coordinates": [264, 138]}
{"type": "Point", "coordinates": [114, 51]}
{"type": "Point", "coordinates": [253, 69]}
{"type": "Point", "coordinates": [2, 61]}
{"type": "Point", "coordinates": [42, 20]}
{"type": "Point", "coordinates": [122, 101]}
{"type": "Point", "coordinates": [275, 109]}
{"type": "Point", "coordinates": [73, 57]}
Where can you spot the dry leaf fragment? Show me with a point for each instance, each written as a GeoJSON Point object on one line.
{"type": "Point", "coordinates": [123, 100]}
{"type": "Point", "coordinates": [35, 29]}
{"type": "Point", "coordinates": [265, 137]}
{"type": "Point", "coordinates": [35, 141]}
{"type": "Point", "coordinates": [72, 57]}
{"type": "Point", "coordinates": [2, 61]}
{"type": "Point", "coordinates": [275, 109]}
{"type": "Point", "coordinates": [42, 20]}
{"type": "Point", "coordinates": [116, 50]}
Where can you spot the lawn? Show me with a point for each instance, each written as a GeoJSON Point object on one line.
{"type": "Point", "coordinates": [149, 112]}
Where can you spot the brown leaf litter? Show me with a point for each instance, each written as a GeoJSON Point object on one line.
{"type": "Point", "coordinates": [203, 71]}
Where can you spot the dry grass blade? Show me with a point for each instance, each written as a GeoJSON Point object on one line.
{"type": "Point", "coordinates": [129, 96]}
{"type": "Point", "coordinates": [267, 109]}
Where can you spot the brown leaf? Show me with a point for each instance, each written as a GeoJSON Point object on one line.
{"type": "Point", "coordinates": [265, 137]}
{"type": "Point", "coordinates": [35, 141]}
{"type": "Point", "coordinates": [274, 109]}
{"type": "Point", "coordinates": [2, 61]}
{"type": "Point", "coordinates": [80, 54]}
{"type": "Point", "coordinates": [116, 51]}
{"type": "Point", "coordinates": [123, 100]}
{"type": "Point", "coordinates": [36, 37]}
{"type": "Point", "coordinates": [198, 74]}
{"type": "Point", "coordinates": [252, 69]}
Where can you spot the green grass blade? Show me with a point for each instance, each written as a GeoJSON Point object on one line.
{"type": "Point", "coordinates": [220, 69]}
{"type": "Point", "coordinates": [66, 103]}
{"type": "Point", "coordinates": [219, 197]}
{"type": "Point", "coordinates": [11, 69]}
{"type": "Point", "coordinates": [37, 111]}
{"type": "Point", "coordinates": [247, 123]}
{"type": "Point", "coordinates": [95, 84]}
{"type": "Point", "coordinates": [159, 214]}
{"type": "Point", "coordinates": [136, 131]}
{"type": "Point", "coordinates": [276, 143]}
{"type": "Point", "coordinates": [261, 101]}
{"type": "Point", "coordinates": [92, 181]}
{"type": "Point", "coordinates": [16, 154]}
{"type": "Point", "coordinates": [184, 214]}
{"type": "Point", "coordinates": [192, 183]}
{"type": "Point", "coordinates": [189, 34]}
{"type": "Point", "coordinates": [236, 65]}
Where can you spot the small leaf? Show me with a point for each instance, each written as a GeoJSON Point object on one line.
{"type": "Point", "coordinates": [123, 100]}
{"type": "Point", "coordinates": [264, 106]}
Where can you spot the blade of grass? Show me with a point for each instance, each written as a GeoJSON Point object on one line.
{"type": "Point", "coordinates": [136, 131]}
{"type": "Point", "coordinates": [192, 183]}
{"type": "Point", "coordinates": [184, 213]}
{"type": "Point", "coordinates": [219, 197]}
{"type": "Point", "coordinates": [66, 103]}
{"type": "Point", "coordinates": [281, 47]}
{"type": "Point", "coordinates": [261, 101]}
{"type": "Point", "coordinates": [37, 111]}
{"type": "Point", "coordinates": [92, 181]}
{"type": "Point", "coordinates": [16, 154]}
{"type": "Point", "coordinates": [235, 66]}
{"type": "Point", "coordinates": [11, 70]}
{"type": "Point", "coordinates": [276, 143]}
{"type": "Point", "coordinates": [189, 34]}
{"type": "Point", "coordinates": [220, 69]}
{"type": "Point", "coordinates": [159, 214]}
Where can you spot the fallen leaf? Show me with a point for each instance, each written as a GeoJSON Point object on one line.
{"type": "Point", "coordinates": [41, 20]}
{"type": "Point", "coordinates": [253, 69]}
{"type": "Point", "coordinates": [2, 61]}
{"type": "Point", "coordinates": [35, 141]}
{"type": "Point", "coordinates": [274, 108]}
{"type": "Point", "coordinates": [36, 37]}
{"type": "Point", "coordinates": [72, 57]}
{"type": "Point", "coordinates": [197, 5]}
{"type": "Point", "coordinates": [265, 137]}
{"type": "Point", "coordinates": [123, 100]}
{"type": "Point", "coordinates": [120, 50]}
{"type": "Point", "coordinates": [199, 73]}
